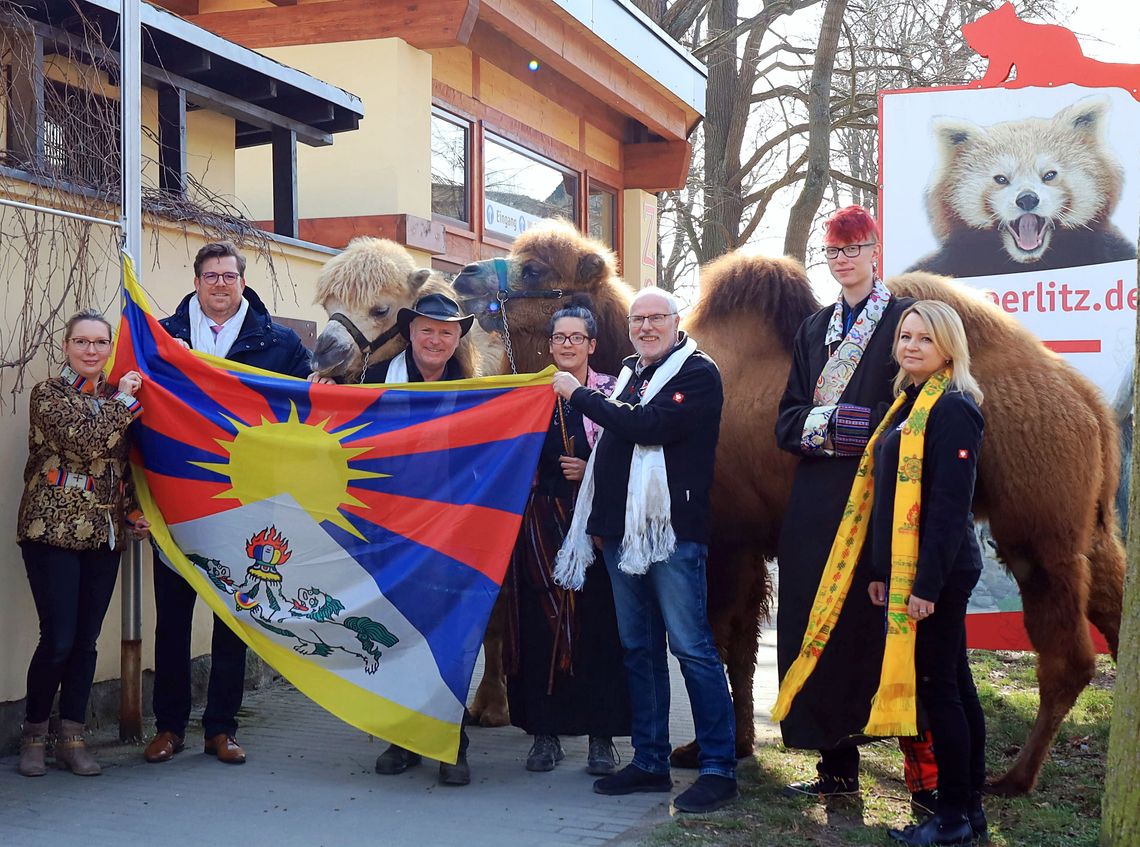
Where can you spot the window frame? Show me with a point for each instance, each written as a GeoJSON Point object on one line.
{"type": "Point", "coordinates": [468, 125]}
{"type": "Point", "coordinates": [489, 134]}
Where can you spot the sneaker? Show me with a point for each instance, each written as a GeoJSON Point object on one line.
{"type": "Point", "coordinates": [631, 779]}
{"type": "Point", "coordinates": [544, 754]}
{"type": "Point", "coordinates": [602, 759]}
{"type": "Point", "coordinates": [707, 794]}
{"type": "Point", "coordinates": [457, 774]}
{"type": "Point", "coordinates": [823, 785]}
{"type": "Point", "coordinates": [396, 760]}
{"type": "Point", "coordinates": [923, 803]}
{"type": "Point", "coordinates": [939, 829]}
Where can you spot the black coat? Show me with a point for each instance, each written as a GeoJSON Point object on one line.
{"type": "Point", "coordinates": [261, 343]}
{"type": "Point", "coordinates": [947, 544]}
{"type": "Point", "coordinates": [836, 700]}
{"type": "Point", "coordinates": [684, 418]}
{"type": "Point", "coordinates": [378, 372]}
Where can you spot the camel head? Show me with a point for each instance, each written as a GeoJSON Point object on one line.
{"type": "Point", "coordinates": [365, 286]}
{"type": "Point", "coordinates": [549, 256]}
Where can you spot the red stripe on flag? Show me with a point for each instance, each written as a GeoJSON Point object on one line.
{"type": "Point", "coordinates": [188, 499]}
{"type": "Point", "coordinates": [519, 412]}
{"type": "Point", "coordinates": [1088, 345]}
{"type": "Point", "coordinates": [164, 413]}
{"type": "Point", "coordinates": [1006, 631]}
{"type": "Point", "coordinates": [477, 536]}
{"type": "Point", "coordinates": [338, 405]}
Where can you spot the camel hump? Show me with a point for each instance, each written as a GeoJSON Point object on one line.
{"type": "Point", "coordinates": [977, 312]}
{"type": "Point", "coordinates": [774, 290]}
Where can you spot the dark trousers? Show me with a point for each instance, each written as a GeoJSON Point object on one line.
{"type": "Point", "coordinates": [174, 612]}
{"type": "Point", "coordinates": [946, 690]}
{"type": "Point", "coordinates": [72, 590]}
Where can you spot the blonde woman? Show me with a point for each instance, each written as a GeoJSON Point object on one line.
{"type": "Point", "coordinates": [76, 514]}
{"type": "Point", "coordinates": [934, 361]}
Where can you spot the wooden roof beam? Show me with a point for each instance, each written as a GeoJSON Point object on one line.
{"type": "Point", "coordinates": [575, 53]}
{"type": "Point", "coordinates": [656, 165]}
{"type": "Point", "coordinates": [441, 23]}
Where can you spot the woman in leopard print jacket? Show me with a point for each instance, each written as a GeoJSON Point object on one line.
{"type": "Point", "coordinates": [76, 514]}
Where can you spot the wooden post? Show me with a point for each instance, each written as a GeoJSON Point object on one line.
{"type": "Point", "coordinates": [172, 141]}
{"type": "Point", "coordinates": [285, 182]}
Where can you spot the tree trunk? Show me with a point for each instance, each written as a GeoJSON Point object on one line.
{"type": "Point", "coordinates": [819, 134]}
{"type": "Point", "coordinates": [1120, 825]}
{"type": "Point", "coordinates": [722, 205]}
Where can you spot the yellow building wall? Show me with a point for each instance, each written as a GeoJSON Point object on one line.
{"type": "Point", "coordinates": [166, 271]}
{"type": "Point", "coordinates": [384, 167]}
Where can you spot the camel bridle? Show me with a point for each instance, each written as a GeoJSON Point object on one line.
{"type": "Point", "coordinates": [367, 348]}
{"type": "Point", "coordinates": [506, 294]}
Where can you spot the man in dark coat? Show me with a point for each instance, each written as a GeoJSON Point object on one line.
{"type": "Point", "coordinates": [223, 317]}
{"type": "Point", "coordinates": [651, 471]}
{"type": "Point", "coordinates": [433, 328]}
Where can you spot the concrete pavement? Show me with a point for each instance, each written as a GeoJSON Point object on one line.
{"type": "Point", "coordinates": [309, 781]}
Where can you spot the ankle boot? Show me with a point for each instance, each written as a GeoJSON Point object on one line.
{"type": "Point", "coordinates": [71, 750]}
{"type": "Point", "coordinates": [977, 817]}
{"type": "Point", "coordinates": [33, 746]}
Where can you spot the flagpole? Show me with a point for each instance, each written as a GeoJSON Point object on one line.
{"type": "Point", "coordinates": [130, 103]}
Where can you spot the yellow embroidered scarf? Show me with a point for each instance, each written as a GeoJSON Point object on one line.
{"type": "Point", "coordinates": [893, 707]}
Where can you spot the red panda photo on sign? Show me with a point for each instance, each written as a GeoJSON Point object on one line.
{"type": "Point", "coordinates": [1025, 195]}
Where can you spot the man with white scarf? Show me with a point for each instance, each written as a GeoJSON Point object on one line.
{"type": "Point", "coordinates": [223, 317]}
{"type": "Point", "coordinates": [645, 500]}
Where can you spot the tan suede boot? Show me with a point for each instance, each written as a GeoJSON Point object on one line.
{"type": "Point", "coordinates": [32, 748]}
{"type": "Point", "coordinates": [71, 750]}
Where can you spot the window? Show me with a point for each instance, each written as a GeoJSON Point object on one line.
{"type": "Point", "coordinates": [601, 206]}
{"type": "Point", "coordinates": [449, 156]}
{"type": "Point", "coordinates": [520, 188]}
{"type": "Point", "coordinates": [81, 136]}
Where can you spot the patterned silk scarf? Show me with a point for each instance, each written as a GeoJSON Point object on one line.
{"type": "Point", "coordinates": [845, 359]}
{"type": "Point", "coordinates": [893, 709]}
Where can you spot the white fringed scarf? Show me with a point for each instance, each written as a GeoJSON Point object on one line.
{"type": "Point", "coordinates": [648, 517]}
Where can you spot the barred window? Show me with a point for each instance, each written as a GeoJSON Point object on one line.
{"type": "Point", "coordinates": [81, 136]}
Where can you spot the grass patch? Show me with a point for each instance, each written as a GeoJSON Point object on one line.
{"type": "Point", "coordinates": [1064, 811]}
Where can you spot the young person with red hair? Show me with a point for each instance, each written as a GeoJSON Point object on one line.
{"type": "Point", "coordinates": [838, 390]}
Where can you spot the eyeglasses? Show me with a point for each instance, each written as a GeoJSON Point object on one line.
{"type": "Point", "coordinates": [215, 278]}
{"type": "Point", "coordinates": [577, 338]}
{"type": "Point", "coordinates": [100, 344]}
{"type": "Point", "coordinates": [655, 321]}
{"type": "Point", "coordinates": [850, 251]}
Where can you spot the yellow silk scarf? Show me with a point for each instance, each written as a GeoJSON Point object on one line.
{"type": "Point", "coordinates": [894, 704]}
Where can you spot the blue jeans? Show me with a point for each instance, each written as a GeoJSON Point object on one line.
{"type": "Point", "coordinates": [670, 599]}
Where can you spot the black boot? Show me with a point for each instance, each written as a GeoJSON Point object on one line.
{"type": "Point", "coordinates": [942, 828]}
{"type": "Point", "coordinates": [977, 818]}
{"type": "Point", "coordinates": [396, 759]}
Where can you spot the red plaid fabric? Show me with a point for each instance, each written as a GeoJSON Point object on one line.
{"type": "Point", "coordinates": [919, 768]}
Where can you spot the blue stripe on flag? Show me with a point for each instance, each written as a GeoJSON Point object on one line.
{"type": "Point", "coordinates": [481, 475]}
{"type": "Point", "coordinates": [448, 602]}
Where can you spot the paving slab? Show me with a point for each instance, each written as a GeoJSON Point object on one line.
{"type": "Point", "coordinates": [309, 781]}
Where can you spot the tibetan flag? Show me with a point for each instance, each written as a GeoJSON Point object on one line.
{"type": "Point", "coordinates": [354, 536]}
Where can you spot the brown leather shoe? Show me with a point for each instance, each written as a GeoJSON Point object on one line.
{"type": "Point", "coordinates": [163, 747]}
{"type": "Point", "coordinates": [226, 748]}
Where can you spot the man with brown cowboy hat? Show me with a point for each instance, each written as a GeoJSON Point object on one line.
{"type": "Point", "coordinates": [433, 328]}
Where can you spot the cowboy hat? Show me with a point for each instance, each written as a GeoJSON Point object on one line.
{"type": "Point", "coordinates": [437, 307]}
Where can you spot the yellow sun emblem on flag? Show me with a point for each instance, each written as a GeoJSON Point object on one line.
{"type": "Point", "coordinates": [305, 461]}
